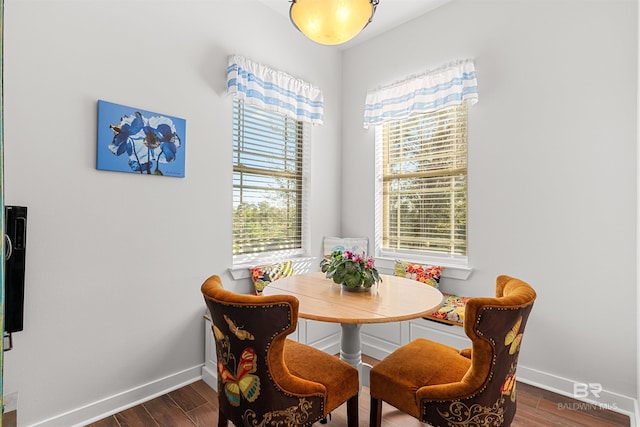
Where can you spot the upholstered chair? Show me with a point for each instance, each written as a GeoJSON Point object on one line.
{"type": "Point", "coordinates": [443, 386]}
{"type": "Point", "coordinates": [264, 378]}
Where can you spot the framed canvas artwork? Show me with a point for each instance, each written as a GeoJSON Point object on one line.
{"type": "Point", "coordinates": [139, 141]}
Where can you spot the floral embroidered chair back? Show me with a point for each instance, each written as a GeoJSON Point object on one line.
{"type": "Point", "coordinates": [255, 386]}
{"type": "Point", "coordinates": [443, 386]}
{"type": "Point", "coordinates": [496, 327]}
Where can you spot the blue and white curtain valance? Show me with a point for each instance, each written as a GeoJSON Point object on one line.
{"type": "Point", "coordinates": [433, 90]}
{"type": "Point", "coordinates": [274, 90]}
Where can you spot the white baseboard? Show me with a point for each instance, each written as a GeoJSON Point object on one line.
{"type": "Point", "coordinates": [607, 399]}
{"type": "Point", "coordinates": [119, 402]}
{"type": "Point", "coordinates": [210, 376]}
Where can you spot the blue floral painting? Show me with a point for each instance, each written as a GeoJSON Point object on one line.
{"type": "Point", "coordinates": [138, 141]}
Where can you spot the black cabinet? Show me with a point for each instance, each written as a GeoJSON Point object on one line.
{"type": "Point", "coordinates": [14, 266]}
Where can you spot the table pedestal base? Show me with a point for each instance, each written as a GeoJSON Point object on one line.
{"type": "Point", "coordinates": [351, 351]}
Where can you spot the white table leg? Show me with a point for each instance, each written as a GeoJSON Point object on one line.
{"type": "Point", "coordinates": [351, 351]}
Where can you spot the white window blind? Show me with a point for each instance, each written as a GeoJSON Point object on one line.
{"type": "Point", "coordinates": [424, 183]}
{"type": "Point", "coordinates": [268, 181]}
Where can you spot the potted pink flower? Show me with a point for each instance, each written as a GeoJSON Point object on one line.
{"type": "Point", "coordinates": [352, 270]}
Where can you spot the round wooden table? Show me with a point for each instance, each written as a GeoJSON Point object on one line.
{"type": "Point", "coordinates": [394, 299]}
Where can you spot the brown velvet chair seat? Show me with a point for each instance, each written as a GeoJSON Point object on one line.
{"type": "Point", "coordinates": [443, 386]}
{"type": "Point", "coordinates": [312, 364]}
{"type": "Point", "coordinates": [413, 366]}
{"type": "Point", "coordinates": [264, 378]}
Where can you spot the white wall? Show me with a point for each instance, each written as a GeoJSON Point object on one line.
{"type": "Point", "coordinates": [115, 261]}
{"type": "Point", "coordinates": [552, 166]}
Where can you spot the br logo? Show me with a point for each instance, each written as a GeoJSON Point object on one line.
{"type": "Point", "coordinates": [586, 389]}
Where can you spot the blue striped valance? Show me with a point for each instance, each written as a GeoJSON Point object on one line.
{"type": "Point", "coordinates": [444, 87]}
{"type": "Point", "coordinates": [273, 90]}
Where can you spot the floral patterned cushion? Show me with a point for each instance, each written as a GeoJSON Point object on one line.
{"type": "Point", "coordinates": [262, 275]}
{"type": "Point", "coordinates": [429, 274]}
{"type": "Point", "coordinates": [452, 310]}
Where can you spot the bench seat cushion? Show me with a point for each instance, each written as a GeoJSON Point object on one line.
{"type": "Point", "coordinates": [452, 310]}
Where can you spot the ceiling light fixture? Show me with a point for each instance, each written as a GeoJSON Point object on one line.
{"type": "Point", "coordinates": [331, 22]}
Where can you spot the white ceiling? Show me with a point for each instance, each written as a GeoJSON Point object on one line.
{"type": "Point", "coordinates": [389, 14]}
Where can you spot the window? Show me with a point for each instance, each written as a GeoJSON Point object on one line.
{"type": "Point", "coordinates": [268, 183]}
{"type": "Point", "coordinates": [422, 185]}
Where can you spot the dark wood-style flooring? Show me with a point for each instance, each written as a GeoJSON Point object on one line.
{"type": "Point", "coordinates": [197, 405]}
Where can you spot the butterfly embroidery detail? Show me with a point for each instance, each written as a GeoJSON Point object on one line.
{"type": "Point", "coordinates": [223, 347]}
{"type": "Point", "coordinates": [243, 381]}
{"type": "Point", "coordinates": [217, 333]}
{"type": "Point", "coordinates": [509, 385]}
{"type": "Point", "coordinates": [513, 338]}
{"type": "Point", "coordinates": [239, 332]}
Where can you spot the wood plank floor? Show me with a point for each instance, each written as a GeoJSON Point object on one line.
{"type": "Point", "coordinates": [197, 405]}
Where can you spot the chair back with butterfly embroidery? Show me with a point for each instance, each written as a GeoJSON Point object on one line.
{"type": "Point", "coordinates": [250, 332]}
{"type": "Point", "coordinates": [495, 327]}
